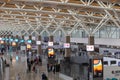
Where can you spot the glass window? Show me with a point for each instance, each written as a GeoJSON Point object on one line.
{"type": "Point", "coordinates": [113, 62]}
{"type": "Point", "coordinates": [105, 62]}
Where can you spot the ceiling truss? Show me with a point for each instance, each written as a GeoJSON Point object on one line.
{"type": "Point", "coordinates": [35, 17]}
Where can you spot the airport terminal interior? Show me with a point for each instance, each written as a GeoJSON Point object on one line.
{"type": "Point", "coordinates": [59, 39]}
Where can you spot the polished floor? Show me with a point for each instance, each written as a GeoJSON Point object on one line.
{"type": "Point", "coordinates": [20, 67]}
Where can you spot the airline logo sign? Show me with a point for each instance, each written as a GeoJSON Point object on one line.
{"type": "Point", "coordinates": [66, 45]}
{"type": "Point", "coordinates": [50, 43]}
{"type": "Point", "coordinates": [90, 47]}
{"type": "Point", "coordinates": [38, 42]}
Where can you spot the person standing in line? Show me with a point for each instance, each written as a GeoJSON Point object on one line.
{"type": "Point", "coordinates": [11, 59]}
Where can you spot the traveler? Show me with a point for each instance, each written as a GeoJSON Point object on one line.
{"type": "Point", "coordinates": [44, 77]}
{"type": "Point", "coordinates": [18, 77]}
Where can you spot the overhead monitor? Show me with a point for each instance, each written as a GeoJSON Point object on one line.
{"type": "Point", "coordinates": [90, 47]}
{"type": "Point", "coordinates": [66, 45]}
{"type": "Point", "coordinates": [38, 42]}
{"type": "Point", "coordinates": [50, 43]}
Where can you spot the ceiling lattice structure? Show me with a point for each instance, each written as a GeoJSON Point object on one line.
{"type": "Point", "coordinates": [37, 16]}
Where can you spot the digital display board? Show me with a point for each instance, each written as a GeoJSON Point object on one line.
{"type": "Point", "coordinates": [97, 68]}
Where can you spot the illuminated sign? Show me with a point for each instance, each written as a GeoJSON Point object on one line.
{"type": "Point", "coordinates": [13, 43]}
{"type": "Point", "coordinates": [50, 43]}
{"type": "Point", "coordinates": [90, 47]}
{"type": "Point", "coordinates": [16, 40]}
{"type": "Point", "coordinates": [6, 39]}
{"type": "Point", "coordinates": [28, 46]}
{"type": "Point", "coordinates": [50, 52]}
{"type": "Point", "coordinates": [11, 39]}
{"type": "Point", "coordinates": [22, 40]}
{"type": "Point", "coordinates": [97, 68]}
{"type": "Point", "coordinates": [29, 41]}
{"type": "Point", "coordinates": [3, 38]}
{"type": "Point", "coordinates": [2, 42]}
{"type": "Point", "coordinates": [17, 58]}
{"type": "Point", "coordinates": [38, 42]}
{"type": "Point", "coordinates": [66, 45]}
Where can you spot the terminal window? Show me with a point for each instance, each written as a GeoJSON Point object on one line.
{"type": "Point", "coordinates": [105, 63]}
{"type": "Point", "coordinates": [113, 62]}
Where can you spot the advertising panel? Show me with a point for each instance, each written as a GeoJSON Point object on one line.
{"type": "Point", "coordinates": [50, 52]}
{"type": "Point", "coordinates": [97, 68]}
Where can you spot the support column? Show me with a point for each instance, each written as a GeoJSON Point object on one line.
{"type": "Point", "coordinates": [8, 44]}
{"type": "Point", "coordinates": [51, 38]}
{"type": "Point", "coordinates": [4, 40]}
{"type": "Point", "coordinates": [39, 46]}
{"type": "Point", "coordinates": [17, 42]}
{"type": "Point", "coordinates": [67, 50]}
{"type": "Point", "coordinates": [23, 37]}
{"type": "Point", "coordinates": [11, 41]}
{"type": "Point", "coordinates": [8, 39]}
{"type": "Point", "coordinates": [91, 40]}
{"type": "Point", "coordinates": [30, 37]}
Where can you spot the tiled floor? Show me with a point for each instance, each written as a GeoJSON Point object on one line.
{"type": "Point", "coordinates": [20, 67]}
